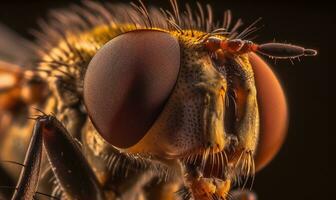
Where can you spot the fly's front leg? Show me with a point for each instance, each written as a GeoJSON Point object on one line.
{"type": "Point", "coordinates": [29, 177]}
{"type": "Point", "coordinates": [69, 165]}
{"type": "Point", "coordinates": [71, 169]}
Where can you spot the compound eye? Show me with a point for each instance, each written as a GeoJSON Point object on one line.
{"type": "Point", "coordinates": [272, 109]}
{"type": "Point", "coordinates": [128, 82]}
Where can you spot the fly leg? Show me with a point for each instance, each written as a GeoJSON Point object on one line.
{"type": "Point", "coordinates": [29, 177]}
{"type": "Point", "coordinates": [71, 169]}
{"type": "Point", "coordinates": [28, 181]}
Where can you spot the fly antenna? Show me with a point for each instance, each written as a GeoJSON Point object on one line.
{"type": "Point", "coordinates": [284, 51]}
{"type": "Point", "coordinates": [273, 49]}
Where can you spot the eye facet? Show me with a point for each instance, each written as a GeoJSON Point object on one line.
{"type": "Point", "coordinates": [128, 82]}
{"type": "Point", "coordinates": [273, 112]}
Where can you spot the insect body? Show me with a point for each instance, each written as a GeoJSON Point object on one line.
{"type": "Point", "coordinates": [142, 104]}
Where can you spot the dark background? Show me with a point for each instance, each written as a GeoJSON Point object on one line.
{"type": "Point", "coordinates": [301, 169]}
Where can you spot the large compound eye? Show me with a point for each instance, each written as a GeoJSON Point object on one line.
{"type": "Point", "coordinates": [273, 112]}
{"type": "Point", "coordinates": [128, 82]}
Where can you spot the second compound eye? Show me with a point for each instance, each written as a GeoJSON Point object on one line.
{"type": "Point", "coordinates": [128, 82]}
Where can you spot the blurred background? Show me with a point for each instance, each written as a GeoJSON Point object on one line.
{"type": "Point", "coordinates": [301, 170]}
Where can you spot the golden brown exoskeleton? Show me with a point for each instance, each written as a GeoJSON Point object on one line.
{"type": "Point", "coordinates": [133, 103]}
